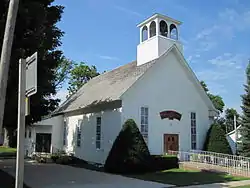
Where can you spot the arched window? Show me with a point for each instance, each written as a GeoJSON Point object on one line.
{"type": "Point", "coordinates": [144, 33]}
{"type": "Point", "coordinates": [163, 28]}
{"type": "Point", "coordinates": [152, 29]}
{"type": "Point", "coordinates": [173, 32]}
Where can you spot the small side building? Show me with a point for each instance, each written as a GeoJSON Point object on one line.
{"type": "Point", "coordinates": [232, 137]}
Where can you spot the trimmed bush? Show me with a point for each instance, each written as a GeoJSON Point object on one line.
{"type": "Point", "coordinates": [216, 140]}
{"type": "Point", "coordinates": [129, 153]}
{"type": "Point", "coordinates": [164, 162]}
{"type": "Point", "coordinates": [64, 159]}
{"type": "Point", "coordinates": [54, 157]}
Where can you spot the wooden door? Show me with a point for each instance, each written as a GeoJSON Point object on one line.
{"type": "Point", "coordinates": [171, 142]}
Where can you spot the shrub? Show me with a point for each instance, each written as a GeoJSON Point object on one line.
{"type": "Point", "coordinates": [129, 153]}
{"type": "Point", "coordinates": [216, 140]}
{"type": "Point", "coordinates": [165, 162]}
{"type": "Point", "coordinates": [64, 159]}
{"type": "Point", "coordinates": [54, 157]}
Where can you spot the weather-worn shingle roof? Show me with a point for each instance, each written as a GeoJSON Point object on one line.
{"type": "Point", "coordinates": [105, 87]}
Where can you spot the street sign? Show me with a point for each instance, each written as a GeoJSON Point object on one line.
{"type": "Point", "coordinates": [31, 75]}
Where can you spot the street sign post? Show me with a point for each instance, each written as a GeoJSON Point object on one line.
{"type": "Point", "coordinates": [27, 87]}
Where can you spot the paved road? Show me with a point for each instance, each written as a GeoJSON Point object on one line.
{"type": "Point", "coordinates": [60, 176]}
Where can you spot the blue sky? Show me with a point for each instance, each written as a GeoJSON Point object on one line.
{"type": "Point", "coordinates": [215, 36]}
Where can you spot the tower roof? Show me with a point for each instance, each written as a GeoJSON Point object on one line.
{"type": "Point", "coordinates": [159, 16]}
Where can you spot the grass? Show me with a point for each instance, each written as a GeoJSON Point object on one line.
{"type": "Point", "coordinates": [181, 177]}
{"type": "Point", "coordinates": [8, 181]}
{"type": "Point", "coordinates": [244, 186]}
{"type": "Point", "coordinates": [7, 150]}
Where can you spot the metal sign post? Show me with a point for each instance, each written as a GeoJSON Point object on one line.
{"type": "Point", "coordinates": [21, 124]}
{"type": "Point", "coordinates": [27, 87]}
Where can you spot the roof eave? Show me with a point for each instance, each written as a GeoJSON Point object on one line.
{"type": "Point", "coordinates": [161, 16]}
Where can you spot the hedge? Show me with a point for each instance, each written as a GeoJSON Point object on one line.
{"type": "Point", "coordinates": [164, 162]}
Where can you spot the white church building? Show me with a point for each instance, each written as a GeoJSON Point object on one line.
{"type": "Point", "coordinates": [158, 90]}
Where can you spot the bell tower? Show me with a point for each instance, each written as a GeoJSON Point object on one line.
{"type": "Point", "coordinates": [157, 34]}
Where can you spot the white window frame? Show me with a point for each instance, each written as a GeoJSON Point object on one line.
{"type": "Point", "coordinates": [64, 132]}
{"type": "Point", "coordinates": [193, 116]}
{"type": "Point", "coordinates": [79, 133]}
{"type": "Point", "coordinates": [98, 132]}
{"type": "Point", "coordinates": [144, 112]}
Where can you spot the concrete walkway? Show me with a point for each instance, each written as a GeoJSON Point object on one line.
{"type": "Point", "coordinates": [60, 176]}
{"type": "Point", "coordinates": [219, 185]}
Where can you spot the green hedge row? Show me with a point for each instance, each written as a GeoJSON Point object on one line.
{"type": "Point", "coordinates": [164, 162]}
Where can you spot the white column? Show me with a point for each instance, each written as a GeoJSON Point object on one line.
{"type": "Point", "coordinates": [157, 27]}
{"type": "Point", "coordinates": [148, 26]}
{"type": "Point", "coordinates": [141, 34]}
{"type": "Point", "coordinates": [169, 29]}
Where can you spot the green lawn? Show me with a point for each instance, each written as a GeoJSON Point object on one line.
{"type": "Point", "coordinates": [245, 186]}
{"type": "Point", "coordinates": [181, 177]}
{"type": "Point", "coordinates": [7, 150]}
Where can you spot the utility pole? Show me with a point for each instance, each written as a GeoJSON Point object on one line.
{"type": "Point", "coordinates": [6, 54]}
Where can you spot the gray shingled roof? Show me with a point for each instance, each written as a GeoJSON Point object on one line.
{"type": "Point", "coordinates": [105, 87]}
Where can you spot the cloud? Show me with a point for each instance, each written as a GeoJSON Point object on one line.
{"type": "Point", "coordinates": [111, 58]}
{"type": "Point", "coordinates": [224, 27]}
{"type": "Point", "coordinates": [206, 32]}
{"type": "Point", "coordinates": [212, 75]}
{"type": "Point", "coordinates": [128, 11]}
{"type": "Point", "coordinates": [217, 88]}
{"type": "Point", "coordinates": [221, 70]}
{"type": "Point", "coordinates": [228, 60]}
{"type": "Point", "coordinates": [228, 22]}
{"type": "Point", "coordinates": [207, 45]}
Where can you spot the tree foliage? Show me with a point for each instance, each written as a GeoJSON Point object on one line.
{"type": "Point", "coordinates": [204, 85]}
{"type": "Point", "coordinates": [244, 148]}
{"type": "Point", "coordinates": [63, 71]}
{"type": "Point", "coordinates": [216, 99]}
{"type": "Point", "coordinates": [36, 30]}
{"type": "Point", "coordinates": [216, 140]}
{"type": "Point", "coordinates": [129, 153]}
{"type": "Point", "coordinates": [79, 75]}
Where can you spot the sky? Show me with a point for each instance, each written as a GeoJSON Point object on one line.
{"type": "Point", "coordinates": [215, 37]}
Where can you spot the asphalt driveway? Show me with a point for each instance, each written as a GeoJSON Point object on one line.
{"type": "Point", "coordinates": [60, 176]}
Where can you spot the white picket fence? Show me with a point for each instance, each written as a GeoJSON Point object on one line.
{"type": "Point", "coordinates": [231, 164]}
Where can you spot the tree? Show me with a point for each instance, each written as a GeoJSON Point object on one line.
{"type": "Point", "coordinates": [36, 30]}
{"type": "Point", "coordinates": [229, 119]}
{"type": "Point", "coordinates": [63, 71]}
{"type": "Point", "coordinates": [216, 99]}
{"type": "Point", "coordinates": [129, 153]}
{"type": "Point", "coordinates": [216, 140]}
{"type": "Point", "coordinates": [244, 148]}
{"type": "Point", "coordinates": [204, 85]}
{"type": "Point", "coordinates": [79, 75]}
